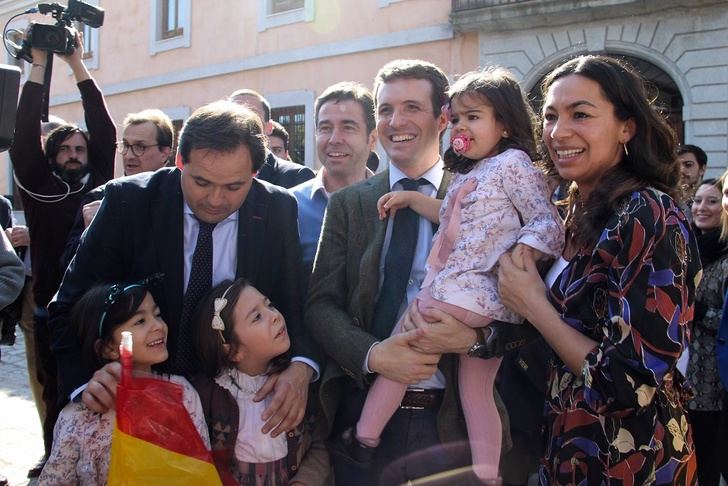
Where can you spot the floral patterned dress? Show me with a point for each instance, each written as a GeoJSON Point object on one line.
{"type": "Point", "coordinates": [621, 421]}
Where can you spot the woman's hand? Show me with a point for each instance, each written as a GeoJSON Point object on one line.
{"type": "Point", "coordinates": [519, 284]}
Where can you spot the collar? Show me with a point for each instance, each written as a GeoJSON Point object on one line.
{"type": "Point", "coordinates": [317, 185]}
{"type": "Point", "coordinates": [433, 175]}
{"type": "Point", "coordinates": [187, 211]}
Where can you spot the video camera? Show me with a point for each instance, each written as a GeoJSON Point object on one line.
{"type": "Point", "coordinates": [59, 38]}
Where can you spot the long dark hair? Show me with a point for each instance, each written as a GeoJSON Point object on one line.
{"type": "Point", "coordinates": [209, 347]}
{"type": "Point", "coordinates": [86, 318]}
{"type": "Point", "coordinates": [651, 161]}
{"type": "Point", "coordinates": [498, 88]}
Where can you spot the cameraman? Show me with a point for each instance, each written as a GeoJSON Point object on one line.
{"type": "Point", "coordinates": [53, 182]}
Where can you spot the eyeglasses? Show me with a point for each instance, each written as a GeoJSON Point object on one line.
{"type": "Point", "coordinates": [137, 149]}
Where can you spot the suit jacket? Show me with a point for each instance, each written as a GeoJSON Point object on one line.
{"type": "Point", "coordinates": [283, 173]}
{"type": "Point", "coordinates": [342, 296]}
{"type": "Point", "coordinates": [138, 231]}
{"type": "Point", "coordinates": [74, 236]}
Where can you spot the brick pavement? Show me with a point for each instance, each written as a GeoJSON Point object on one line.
{"type": "Point", "coordinates": [21, 441]}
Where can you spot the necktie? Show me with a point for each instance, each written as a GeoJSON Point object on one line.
{"type": "Point", "coordinates": [200, 282]}
{"type": "Point", "coordinates": [397, 266]}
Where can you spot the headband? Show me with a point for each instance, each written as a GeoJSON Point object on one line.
{"type": "Point", "coordinates": [217, 322]}
{"type": "Point", "coordinates": [117, 290]}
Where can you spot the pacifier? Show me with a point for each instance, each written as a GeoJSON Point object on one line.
{"type": "Point", "coordinates": [460, 144]}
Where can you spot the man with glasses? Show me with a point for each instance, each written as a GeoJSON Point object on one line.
{"type": "Point", "coordinates": [53, 180]}
{"type": "Point", "coordinates": [145, 146]}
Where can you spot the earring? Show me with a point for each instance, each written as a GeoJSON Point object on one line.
{"type": "Point", "coordinates": [626, 152]}
{"type": "Point", "coordinates": [505, 134]}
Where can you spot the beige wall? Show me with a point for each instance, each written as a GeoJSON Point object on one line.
{"type": "Point", "coordinates": [347, 40]}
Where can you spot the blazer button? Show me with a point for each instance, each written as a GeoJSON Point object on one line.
{"type": "Point", "coordinates": [293, 468]}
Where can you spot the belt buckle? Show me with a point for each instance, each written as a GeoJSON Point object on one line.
{"type": "Point", "coordinates": [412, 407]}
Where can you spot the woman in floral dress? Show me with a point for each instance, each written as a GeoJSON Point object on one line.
{"type": "Point", "coordinates": [622, 296]}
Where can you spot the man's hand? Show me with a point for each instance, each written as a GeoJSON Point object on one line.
{"type": "Point", "coordinates": [89, 211]}
{"type": "Point", "coordinates": [290, 394]}
{"type": "Point", "coordinates": [397, 359]}
{"type": "Point", "coordinates": [441, 332]}
{"type": "Point", "coordinates": [75, 60]}
{"type": "Point", "coordinates": [18, 236]}
{"type": "Point", "coordinates": [100, 392]}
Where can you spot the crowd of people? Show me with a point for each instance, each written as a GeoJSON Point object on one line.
{"type": "Point", "coordinates": [509, 304]}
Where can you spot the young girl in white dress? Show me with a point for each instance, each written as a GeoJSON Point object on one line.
{"type": "Point", "coordinates": [241, 339]}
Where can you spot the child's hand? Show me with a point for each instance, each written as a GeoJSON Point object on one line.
{"type": "Point", "coordinates": [392, 201]}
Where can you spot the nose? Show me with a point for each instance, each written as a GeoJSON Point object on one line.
{"type": "Point", "coordinates": [559, 129]}
{"type": "Point", "coordinates": [397, 118]}
{"type": "Point", "coordinates": [335, 136]}
{"type": "Point", "coordinates": [215, 197]}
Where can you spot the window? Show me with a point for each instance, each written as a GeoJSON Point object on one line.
{"type": "Point", "coordinates": [274, 13]}
{"type": "Point", "coordinates": [90, 41]}
{"type": "Point", "coordinates": [90, 45]}
{"type": "Point", "coordinates": [280, 6]}
{"type": "Point", "coordinates": [170, 24]}
{"type": "Point", "coordinates": [293, 119]}
{"type": "Point", "coordinates": [170, 20]}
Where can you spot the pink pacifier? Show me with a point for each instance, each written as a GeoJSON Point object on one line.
{"type": "Point", "coordinates": [460, 144]}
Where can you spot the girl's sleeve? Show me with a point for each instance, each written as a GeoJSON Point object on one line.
{"type": "Point", "coordinates": [527, 190]}
{"type": "Point", "coordinates": [648, 258]}
{"type": "Point", "coordinates": [60, 468]}
{"type": "Point", "coordinates": [194, 407]}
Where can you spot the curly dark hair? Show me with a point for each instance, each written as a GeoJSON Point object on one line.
{"type": "Point", "coordinates": [209, 347]}
{"type": "Point", "coordinates": [651, 161]}
{"type": "Point", "coordinates": [498, 88]}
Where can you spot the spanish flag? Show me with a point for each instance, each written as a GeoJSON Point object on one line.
{"type": "Point", "coordinates": [155, 440]}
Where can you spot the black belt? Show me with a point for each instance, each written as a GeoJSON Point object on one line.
{"type": "Point", "coordinates": [421, 399]}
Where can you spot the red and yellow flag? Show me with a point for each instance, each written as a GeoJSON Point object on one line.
{"type": "Point", "coordinates": [155, 440]}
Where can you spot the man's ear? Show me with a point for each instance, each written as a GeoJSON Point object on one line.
{"type": "Point", "coordinates": [268, 127]}
{"type": "Point", "coordinates": [372, 140]}
{"type": "Point", "coordinates": [178, 161]}
{"type": "Point", "coordinates": [442, 121]}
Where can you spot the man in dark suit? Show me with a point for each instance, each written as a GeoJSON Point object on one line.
{"type": "Point", "coordinates": [277, 171]}
{"type": "Point", "coordinates": [349, 275]}
{"type": "Point", "coordinates": [152, 222]}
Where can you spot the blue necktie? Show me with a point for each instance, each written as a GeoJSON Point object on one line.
{"type": "Point", "coordinates": [199, 284]}
{"type": "Point", "coordinates": [397, 265]}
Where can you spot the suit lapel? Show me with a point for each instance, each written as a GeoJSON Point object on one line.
{"type": "Point", "coordinates": [252, 218]}
{"type": "Point", "coordinates": [167, 229]}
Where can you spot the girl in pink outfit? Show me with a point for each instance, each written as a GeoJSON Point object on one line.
{"type": "Point", "coordinates": [497, 199]}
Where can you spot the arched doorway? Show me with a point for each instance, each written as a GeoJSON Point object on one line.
{"type": "Point", "coordinates": [667, 95]}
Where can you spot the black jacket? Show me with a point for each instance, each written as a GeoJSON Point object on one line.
{"type": "Point", "coordinates": [138, 232]}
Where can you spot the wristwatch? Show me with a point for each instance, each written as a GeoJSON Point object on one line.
{"type": "Point", "coordinates": [477, 350]}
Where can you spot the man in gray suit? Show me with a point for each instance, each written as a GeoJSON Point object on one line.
{"type": "Point", "coordinates": [346, 289]}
